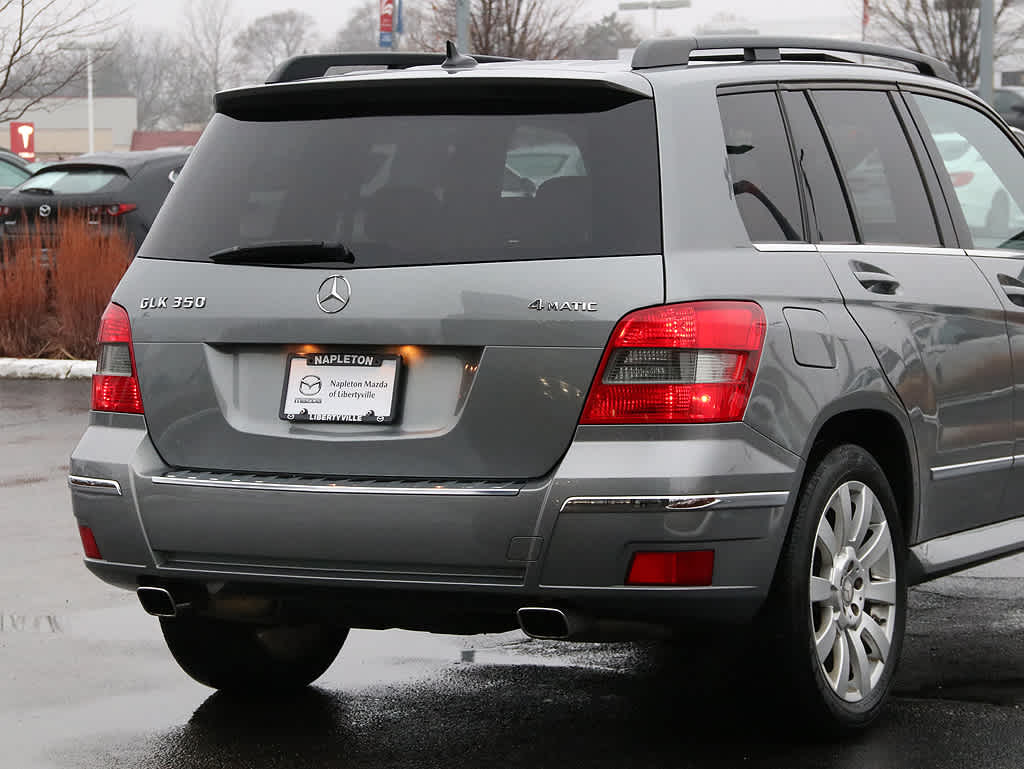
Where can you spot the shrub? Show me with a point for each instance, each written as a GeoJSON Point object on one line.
{"type": "Point", "coordinates": [25, 319]}
{"type": "Point", "coordinates": [54, 285]}
{"type": "Point", "coordinates": [88, 265]}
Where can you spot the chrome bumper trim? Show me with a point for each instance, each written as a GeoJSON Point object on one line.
{"type": "Point", "coordinates": [97, 485]}
{"type": "Point", "coordinates": [327, 486]}
{"type": "Point", "coordinates": [673, 504]}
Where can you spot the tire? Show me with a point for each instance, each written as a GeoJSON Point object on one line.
{"type": "Point", "coordinates": [838, 609]}
{"type": "Point", "coordinates": [235, 656]}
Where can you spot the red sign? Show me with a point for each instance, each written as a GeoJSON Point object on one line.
{"type": "Point", "coordinates": [387, 15]}
{"type": "Point", "coordinates": [23, 140]}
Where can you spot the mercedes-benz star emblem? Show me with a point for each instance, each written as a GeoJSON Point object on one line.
{"type": "Point", "coordinates": [333, 294]}
{"type": "Point", "coordinates": [310, 384]}
{"type": "Point", "coordinates": [44, 210]}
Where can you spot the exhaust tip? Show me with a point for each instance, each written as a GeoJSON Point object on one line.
{"type": "Point", "coordinates": [157, 601]}
{"type": "Point", "coordinates": [543, 622]}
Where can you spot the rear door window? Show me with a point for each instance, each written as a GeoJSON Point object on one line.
{"type": "Point", "coordinates": [986, 170]}
{"type": "Point", "coordinates": [829, 208]}
{"type": "Point", "coordinates": [879, 168]}
{"type": "Point", "coordinates": [76, 181]}
{"type": "Point", "coordinates": [761, 166]}
{"type": "Point", "coordinates": [478, 182]}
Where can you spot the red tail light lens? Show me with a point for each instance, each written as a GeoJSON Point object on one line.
{"type": "Point", "coordinates": [5, 210]}
{"type": "Point", "coordinates": [89, 545]}
{"type": "Point", "coordinates": [118, 209]}
{"type": "Point", "coordinates": [679, 363]}
{"type": "Point", "coordinates": [115, 385]}
{"type": "Point", "coordinates": [691, 568]}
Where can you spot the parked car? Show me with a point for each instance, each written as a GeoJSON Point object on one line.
{"type": "Point", "coordinates": [114, 189]}
{"type": "Point", "coordinates": [1009, 103]}
{"type": "Point", "coordinates": [13, 171]}
{"type": "Point", "coordinates": [745, 368]}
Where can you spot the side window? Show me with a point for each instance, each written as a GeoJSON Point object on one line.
{"type": "Point", "coordinates": [830, 214]}
{"type": "Point", "coordinates": [761, 166]}
{"type": "Point", "coordinates": [984, 167]}
{"type": "Point", "coordinates": [888, 195]}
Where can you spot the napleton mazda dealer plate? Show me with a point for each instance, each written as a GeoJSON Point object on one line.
{"type": "Point", "coordinates": [341, 387]}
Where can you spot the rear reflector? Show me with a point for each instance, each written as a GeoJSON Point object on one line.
{"type": "Point", "coordinates": [115, 385]}
{"type": "Point", "coordinates": [691, 362]}
{"type": "Point", "coordinates": [691, 568]}
{"type": "Point", "coordinates": [89, 545]}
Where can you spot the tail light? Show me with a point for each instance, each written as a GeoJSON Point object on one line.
{"type": "Point", "coordinates": [5, 210]}
{"type": "Point", "coordinates": [115, 385]}
{"type": "Point", "coordinates": [112, 210]}
{"type": "Point", "coordinates": [961, 178]}
{"type": "Point", "coordinates": [678, 363]}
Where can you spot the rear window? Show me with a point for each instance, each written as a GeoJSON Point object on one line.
{"type": "Point", "coordinates": [76, 181]}
{"type": "Point", "coordinates": [488, 182]}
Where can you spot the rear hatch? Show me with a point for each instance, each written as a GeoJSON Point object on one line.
{"type": "Point", "coordinates": [349, 282]}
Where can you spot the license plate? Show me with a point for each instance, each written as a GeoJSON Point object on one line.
{"type": "Point", "coordinates": [341, 387]}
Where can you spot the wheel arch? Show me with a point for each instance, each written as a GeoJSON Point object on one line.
{"type": "Point", "coordinates": [881, 427]}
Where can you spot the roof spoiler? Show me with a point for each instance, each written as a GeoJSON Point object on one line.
{"type": "Point", "coordinates": [676, 51]}
{"type": "Point", "coordinates": [316, 65]}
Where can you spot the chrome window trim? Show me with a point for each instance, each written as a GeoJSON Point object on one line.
{"type": "Point", "coordinates": [98, 485]}
{"type": "Point", "coordinates": [792, 246]}
{"type": "Point", "coordinates": [672, 504]}
{"type": "Point", "coordinates": [999, 253]}
{"type": "Point", "coordinates": [882, 248]}
{"type": "Point", "coordinates": [337, 487]}
{"type": "Point", "coordinates": [968, 468]}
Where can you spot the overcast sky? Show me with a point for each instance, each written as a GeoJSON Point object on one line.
{"type": "Point", "coordinates": [828, 17]}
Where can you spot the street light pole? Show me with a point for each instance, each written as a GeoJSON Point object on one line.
{"type": "Point", "coordinates": [987, 75]}
{"type": "Point", "coordinates": [89, 100]}
{"type": "Point", "coordinates": [462, 25]}
{"type": "Point", "coordinates": [653, 5]}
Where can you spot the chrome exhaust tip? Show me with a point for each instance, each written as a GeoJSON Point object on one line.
{"type": "Point", "coordinates": [159, 602]}
{"type": "Point", "coordinates": [543, 622]}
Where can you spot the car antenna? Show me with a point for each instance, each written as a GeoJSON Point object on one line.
{"type": "Point", "coordinates": [456, 60]}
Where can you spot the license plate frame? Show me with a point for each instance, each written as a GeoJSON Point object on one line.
{"type": "Point", "coordinates": [349, 369]}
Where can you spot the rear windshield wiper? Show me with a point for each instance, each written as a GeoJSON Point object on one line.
{"type": "Point", "coordinates": [285, 252]}
{"type": "Point", "coordinates": [37, 190]}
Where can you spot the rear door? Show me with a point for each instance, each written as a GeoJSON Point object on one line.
{"type": "Point", "coordinates": [933, 320]}
{"type": "Point", "coordinates": [457, 332]}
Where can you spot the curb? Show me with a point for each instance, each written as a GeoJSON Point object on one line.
{"type": "Point", "coordinates": [41, 368]}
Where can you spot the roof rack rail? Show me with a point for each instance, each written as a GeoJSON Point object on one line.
{"type": "Point", "coordinates": [675, 51]}
{"type": "Point", "coordinates": [317, 65]}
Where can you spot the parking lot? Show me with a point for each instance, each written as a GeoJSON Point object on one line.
{"type": "Point", "coordinates": [85, 680]}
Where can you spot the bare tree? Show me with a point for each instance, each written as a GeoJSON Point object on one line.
{"type": "Point", "coordinates": [42, 49]}
{"type": "Point", "coordinates": [527, 29]}
{"type": "Point", "coordinates": [605, 38]}
{"type": "Point", "coordinates": [209, 30]}
{"type": "Point", "coordinates": [945, 29]}
{"type": "Point", "coordinates": [151, 67]}
{"type": "Point", "coordinates": [271, 39]}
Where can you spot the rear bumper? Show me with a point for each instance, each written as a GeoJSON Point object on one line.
{"type": "Point", "coordinates": [381, 553]}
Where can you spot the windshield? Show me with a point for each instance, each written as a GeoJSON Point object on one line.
{"type": "Point", "coordinates": [420, 188]}
{"type": "Point", "coordinates": [76, 181]}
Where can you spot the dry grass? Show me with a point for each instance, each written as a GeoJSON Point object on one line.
{"type": "Point", "coordinates": [51, 306]}
{"type": "Point", "coordinates": [24, 302]}
{"type": "Point", "coordinates": [87, 268]}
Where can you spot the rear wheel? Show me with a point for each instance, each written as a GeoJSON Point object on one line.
{"type": "Point", "coordinates": [840, 593]}
{"type": "Point", "coordinates": [237, 656]}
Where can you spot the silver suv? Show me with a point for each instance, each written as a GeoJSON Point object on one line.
{"type": "Point", "coordinates": [748, 363]}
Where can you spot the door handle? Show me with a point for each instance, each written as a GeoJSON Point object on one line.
{"type": "Point", "coordinates": [875, 279]}
{"type": "Point", "coordinates": [1013, 289]}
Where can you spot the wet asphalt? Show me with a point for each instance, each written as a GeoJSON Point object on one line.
{"type": "Point", "coordinates": [85, 681]}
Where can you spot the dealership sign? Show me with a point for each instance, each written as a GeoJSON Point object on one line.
{"type": "Point", "coordinates": [23, 140]}
{"type": "Point", "coordinates": [387, 23]}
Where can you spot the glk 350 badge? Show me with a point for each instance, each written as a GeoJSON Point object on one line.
{"type": "Point", "coordinates": [172, 302]}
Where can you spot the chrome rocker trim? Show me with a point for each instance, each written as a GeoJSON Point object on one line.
{"type": "Point", "coordinates": [673, 504]}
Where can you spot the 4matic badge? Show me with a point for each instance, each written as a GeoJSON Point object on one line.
{"type": "Point", "coordinates": [547, 305]}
